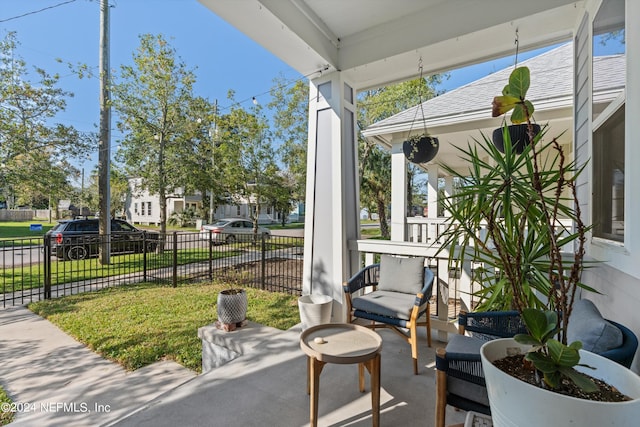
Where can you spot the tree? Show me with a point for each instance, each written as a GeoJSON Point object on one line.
{"type": "Point", "coordinates": [374, 167]}
{"type": "Point", "coordinates": [34, 153]}
{"type": "Point", "coordinates": [119, 185]}
{"type": "Point", "coordinates": [199, 170]}
{"type": "Point", "coordinates": [152, 98]}
{"type": "Point", "coordinates": [249, 170]}
{"type": "Point", "coordinates": [291, 122]}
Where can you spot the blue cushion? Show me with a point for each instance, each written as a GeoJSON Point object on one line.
{"type": "Point", "coordinates": [588, 326]}
{"type": "Point", "coordinates": [398, 274]}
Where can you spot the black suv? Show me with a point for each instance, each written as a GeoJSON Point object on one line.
{"type": "Point", "coordinates": [79, 238]}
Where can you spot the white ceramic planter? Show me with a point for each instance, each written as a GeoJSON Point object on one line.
{"type": "Point", "coordinates": [519, 404]}
{"type": "Point", "coordinates": [314, 310]}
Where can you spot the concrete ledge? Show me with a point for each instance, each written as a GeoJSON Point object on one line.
{"type": "Point", "coordinates": [220, 347]}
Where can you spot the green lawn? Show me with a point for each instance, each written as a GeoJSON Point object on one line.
{"type": "Point", "coordinates": [136, 325]}
{"type": "Point", "coordinates": [20, 229]}
{"type": "Point", "coordinates": [5, 416]}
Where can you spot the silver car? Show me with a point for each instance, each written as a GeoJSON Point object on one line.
{"type": "Point", "coordinates": [229, 230]}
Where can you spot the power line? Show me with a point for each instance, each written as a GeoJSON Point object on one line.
{"type": "Point", "coordinates": [36, 11]}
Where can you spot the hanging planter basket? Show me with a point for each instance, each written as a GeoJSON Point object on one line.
{"type": "Point", "coordinates": [421, 148]}
{"type": "Point", "coordinates": [518, 135]}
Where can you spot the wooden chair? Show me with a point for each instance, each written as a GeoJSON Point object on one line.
{"type": "Point", "coordinates": [400, 292]}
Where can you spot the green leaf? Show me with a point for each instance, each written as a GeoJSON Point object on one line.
{"type": "Point", "coordinates": [527, 340]}
{"type": "Point", "coordinates": [580, 380]}
{"type": "Point", "coordinates": [519, 81]}
{"type": "Point", "coordinates": [542, 363]}
{"type": "Point", "coordinates": [563, 355]}
{"type": "Point", "coordinates": [539, 323]}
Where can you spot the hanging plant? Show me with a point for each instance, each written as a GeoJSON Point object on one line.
{"type": "Point", "coordinates": [521, 132]}
{"type": "Point", "coordinates": [421, 147]}
{"type": "Point", "coordinates": [518, 135]}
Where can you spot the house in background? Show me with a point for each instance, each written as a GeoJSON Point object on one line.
{"type": "Point", "coordinates": [142, 207]}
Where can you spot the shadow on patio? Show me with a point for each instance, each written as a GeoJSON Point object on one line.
{"type": "Point", "coordinates": [267, 387]}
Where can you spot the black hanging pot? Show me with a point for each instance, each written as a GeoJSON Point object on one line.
{"type": "Point", "coordinates": [519, 137]}
{"type": "Point", "coordinates": [420, 148]}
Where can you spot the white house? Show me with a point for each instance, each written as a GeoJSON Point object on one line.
{"type": "Point", "coordinates": [142, 207]}
{"type": "Point", "coordinates": [349, 46]}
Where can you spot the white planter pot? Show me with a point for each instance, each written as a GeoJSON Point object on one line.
{"type": "Point", "coordinates": [314, 310]}
{"type": "Point", "coordinates": [519, 404]}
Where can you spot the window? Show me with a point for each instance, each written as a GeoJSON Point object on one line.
{"type": "Point", "coordinates": [609, 71]}
{"type": "Point", "coordinates": [142, 211]}
{"type": "Point", "coordinates": [149, 208]}
{"type": "Point", "coordinates": [608, 155]}
{"type": "Point", "coordinates": [135, 208]}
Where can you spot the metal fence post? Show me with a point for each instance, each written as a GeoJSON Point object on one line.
{"type": "Point", "coordinates": [144, 255]}
{"type": "Point", "coordinates": [210, 255]}
{"type": "Point", "coordinates": [47, 266]}
{"type": "Point", "coordinates": [264, 262]}
{"type": "Point", "coordinates": [175, 259]}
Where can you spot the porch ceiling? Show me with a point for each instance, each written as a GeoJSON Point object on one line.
{"type": "Point", "coordinates": [377, 42]}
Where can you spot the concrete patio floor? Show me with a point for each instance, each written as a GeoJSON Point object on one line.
{"type": "Point", "coordinates": [268, 388]}
{"type": "Point", "coordinates": [40, 365]}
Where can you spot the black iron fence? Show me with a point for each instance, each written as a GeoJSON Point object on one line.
{"type": "Point", "coordinates": [36, 268]}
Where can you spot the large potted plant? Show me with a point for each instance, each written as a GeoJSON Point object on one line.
{"type": "Point", "coordinates": [518, 216]}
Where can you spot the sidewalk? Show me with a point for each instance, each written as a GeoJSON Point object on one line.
{"type": "Point", "coordinates": [58, 381]}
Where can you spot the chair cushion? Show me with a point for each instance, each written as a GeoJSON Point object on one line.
{"type": "Point", "coordinates": [386, 303]}
{"type": "Point", "coordinates": [587, 326]}
{"type": "Point", "coordinates": [463, 346]}
{"type": "Point", "coordinates": [401, 274]}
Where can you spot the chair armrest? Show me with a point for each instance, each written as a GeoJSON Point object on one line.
{"type": "Point", "coordinates": [427, 289]}
{"type": "Point", "coordinates": [492, 324]}
{"type": "Point", "coordinates": [368, 276]}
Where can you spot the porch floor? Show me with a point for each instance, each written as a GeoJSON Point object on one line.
{"type": "Point", "coordinates": [57, 376]}
{"type": "Point", "coordinates": [268, 388]}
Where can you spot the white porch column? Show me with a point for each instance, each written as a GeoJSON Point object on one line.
{"type": "Point", "coordinates": [398, 193]}
{"type": "Point", "coordinates": [332, 199]}
{"type": "Point", "coordinates": [448, 190]}
{"type": "Point", "coordinates": [432, 190]}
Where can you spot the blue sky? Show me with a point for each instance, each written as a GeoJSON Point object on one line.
{"type": "Point", "coordinates": [222, 57]}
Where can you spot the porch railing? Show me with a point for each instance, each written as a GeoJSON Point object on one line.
{"type": "Point", "coordinates": [430, 230]}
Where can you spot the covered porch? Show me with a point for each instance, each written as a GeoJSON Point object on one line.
{"type": "Point", "coordinates": [347, 47]}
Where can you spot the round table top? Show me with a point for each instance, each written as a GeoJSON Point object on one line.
{"type": "Point", "coordinates": [343, 343]}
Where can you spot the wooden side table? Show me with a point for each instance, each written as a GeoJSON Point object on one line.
{"type": "Point", "coordinates": [342, 344]}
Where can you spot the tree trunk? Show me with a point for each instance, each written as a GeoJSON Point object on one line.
{"type": "Point", "coordinates": [382, 218]}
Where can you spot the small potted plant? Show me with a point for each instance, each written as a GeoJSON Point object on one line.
{"type": "Point", "coordinates": [508, 215]}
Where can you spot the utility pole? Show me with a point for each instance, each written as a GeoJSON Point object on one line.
{"type": "Point", "coordinates": [213, 135]}
{"type": "Point", "coordinates": [104, 146]}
